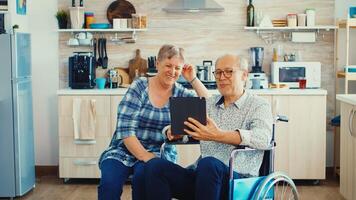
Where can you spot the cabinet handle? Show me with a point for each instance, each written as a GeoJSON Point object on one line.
{"type": "Point", "coordinates": [84, 162]}
{"type": "Point", "coordinates": [84, 142]}
{"type": "Point", "coordinates": [351, 117]}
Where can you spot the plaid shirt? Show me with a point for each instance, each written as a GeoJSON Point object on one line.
{"type": "Point", "coordinates": [136, 116]}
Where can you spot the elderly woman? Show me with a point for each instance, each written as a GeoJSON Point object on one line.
{"type": "Point", "coordinates": [142, 114]}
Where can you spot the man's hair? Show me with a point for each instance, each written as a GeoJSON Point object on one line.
{"type": "Point", "coordinates": [241, 62]}
{"type": "Point", "coordinates": [168, 51]}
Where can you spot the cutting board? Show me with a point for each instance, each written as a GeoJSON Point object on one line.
{"type": "Point", "coordinates": [137, 63]}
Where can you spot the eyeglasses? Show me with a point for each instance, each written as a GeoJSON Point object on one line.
{"type": "Point", "coordinates": [227, 73]}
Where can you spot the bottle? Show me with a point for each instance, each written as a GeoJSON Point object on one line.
{"type": "Point", "coordinates": [250, 14]}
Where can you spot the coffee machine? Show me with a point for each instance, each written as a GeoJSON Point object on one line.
{"type": "Point", "coordinates": [257, 79]}
{"type": "Point", "coordinates": [81, 70]}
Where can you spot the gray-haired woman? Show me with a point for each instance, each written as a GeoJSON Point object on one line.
{"type": "Point", "coordinates": [142, 114]}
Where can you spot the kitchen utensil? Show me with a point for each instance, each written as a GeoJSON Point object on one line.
{"type": "Point", "coordinates": [120, 9]}
{"type": "Point", "coordinates": [105, 55]}
{"type": "Point", "coordinates": [100, 58]}
{"type": "Point", "coordinates": [99, 26]}
{"type": "Point", "coordinates": [76, 17]}
{"type": "Point", "coordinates": [138, 63]}
{"type": "Point", "coordinates": [94, 51]}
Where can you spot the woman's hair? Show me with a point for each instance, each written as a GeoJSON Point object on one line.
{"type": "Point", "coordinates": [168, 51]}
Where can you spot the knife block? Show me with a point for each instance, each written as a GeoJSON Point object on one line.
{"type": "Point", "coordinates": [76, 17]}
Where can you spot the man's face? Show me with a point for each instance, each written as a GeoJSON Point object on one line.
{"type": "Point", "coordinates": [169, 70]}
{"type": "Point", "coordinates": [229, 77]}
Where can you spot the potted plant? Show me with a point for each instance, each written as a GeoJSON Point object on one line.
{"type": "Point", "coordinates": [62, 18]}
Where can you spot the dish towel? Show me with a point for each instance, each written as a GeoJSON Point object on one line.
{"type": "Point", "coordinates": [84, 119]}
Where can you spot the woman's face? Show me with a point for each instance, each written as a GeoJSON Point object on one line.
{"type": "Point", "coordinates": [169, 70]}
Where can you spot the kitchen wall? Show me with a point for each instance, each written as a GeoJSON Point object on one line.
{"type": "Point", "coordinates": [21, 20]}
{"type": "Point", "coordinates": [43, 26]}
{"type": "Point", "coordinates": [209, 35]}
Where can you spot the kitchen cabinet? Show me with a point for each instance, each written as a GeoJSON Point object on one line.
{"type": "Point", "coordinates": [300, 150]}
{"type": "Point", "coordinates": [79, 158]}
{"type": "Point", "coordinates": [115, 101]}
{"type": "Point", "coordinates": [348, 151]}
{"type": "Point", "coordinates": [301, 143]}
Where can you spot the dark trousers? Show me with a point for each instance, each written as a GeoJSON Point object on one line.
{"type": "Point", "coordinates": [113, 177]}
{"type": "Point", "coordinates": [164, 180]}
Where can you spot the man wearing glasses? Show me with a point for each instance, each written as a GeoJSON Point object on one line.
{"type": "Point", "coordinates": [235, 117]}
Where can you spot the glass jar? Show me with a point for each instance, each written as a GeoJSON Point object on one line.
{"type": "Point", "coordinates": [310, 16]}
{"type": "Point", "coordinates": [302, 19]}
{"type": "Point", "coordinates": [292, 20]}
{"type": "Point", "coordinates": [143, 21]}
{"type": "Point", "coordinates": [136, 21]}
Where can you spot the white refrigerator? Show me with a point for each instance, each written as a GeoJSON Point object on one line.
{"type": "Point", "coordinates": [17, 162]}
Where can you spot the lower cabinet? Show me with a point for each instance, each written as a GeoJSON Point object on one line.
{"type": "Point", "coordinates": [301, 143]}
{"type": "Point", "coordinates": [78, 158]}
{"type": "Point", "coordinates": [348, 151]}
{"type": "Point", "coordinates": [300, 150]}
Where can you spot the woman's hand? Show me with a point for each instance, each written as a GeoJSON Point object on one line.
{"type": "Point", "coordinates": [210, 132]}
{"type": "Point", "coordinates": [172, 137]}
{"type": "Point", "coordinates": [188, 72]}
{"type": "Point", "coordinates": [148, 157]}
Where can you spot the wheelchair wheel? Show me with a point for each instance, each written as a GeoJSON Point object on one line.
{"type": "Point", "coordinates": [276, 186]}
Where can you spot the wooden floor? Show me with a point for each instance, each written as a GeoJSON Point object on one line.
{"type": "Point", "coordinates": [52, 188]}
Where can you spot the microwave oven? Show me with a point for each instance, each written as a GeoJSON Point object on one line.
{"type": "Point", "coordinates": [289, 73]}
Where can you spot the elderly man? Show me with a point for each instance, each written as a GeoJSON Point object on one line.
{"type": "Point", "coordinates": [235, 117]}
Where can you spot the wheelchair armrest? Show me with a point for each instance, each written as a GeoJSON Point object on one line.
{"type": "Point", "coordinates": [243, 148]}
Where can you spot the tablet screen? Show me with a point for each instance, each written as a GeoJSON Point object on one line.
{"type": "Point", "coordinates": [183, 107]}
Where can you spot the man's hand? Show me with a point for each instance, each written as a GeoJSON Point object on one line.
{"type": "Point", "coordinates": [148, 157]}
{"type": "Point", "coordinates": [172, 137]}
{"type": "Point", "coordinates": [188, 72]}
{"type": "Point", "coordinates": [210, 132]}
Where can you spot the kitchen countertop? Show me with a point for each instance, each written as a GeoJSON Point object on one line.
{"type": "Point", "coordinates": [122, 91]}
{"type": "Point", "coordinates": [347, 98]}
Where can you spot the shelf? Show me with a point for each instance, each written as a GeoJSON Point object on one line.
{"type": "Point", "coordinates": [4, 11]}
{"type": "Point", "coordinates": [351, 22]}
{"type": "Point", "coordinates": [350, 75]}
{"type": "Point", "coordinates": [300, 28]}
{"type": "Point", "coordinates": [100, 30]}
{"type": "Point", "coordinates": [341, 74]}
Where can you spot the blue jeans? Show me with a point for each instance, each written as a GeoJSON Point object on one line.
{"type": "Point", "coordinates": [165, 180]}
{"type": "Point", "coordinates": [113, 177]}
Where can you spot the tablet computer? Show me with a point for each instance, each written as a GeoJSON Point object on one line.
{"type": "Point", "coordinates": [183, 107]}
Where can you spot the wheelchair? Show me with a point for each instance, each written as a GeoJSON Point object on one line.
{"type": "Point", "coordinates": [269, 185]}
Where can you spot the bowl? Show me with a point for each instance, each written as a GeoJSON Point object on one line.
{"type": "Point", "coordinates": [99, 25]}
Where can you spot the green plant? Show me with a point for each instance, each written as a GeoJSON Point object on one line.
{"type": "Point", "coordinates": [62, 18]}
{"type": "Point", "coordinates": [62, 15]}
